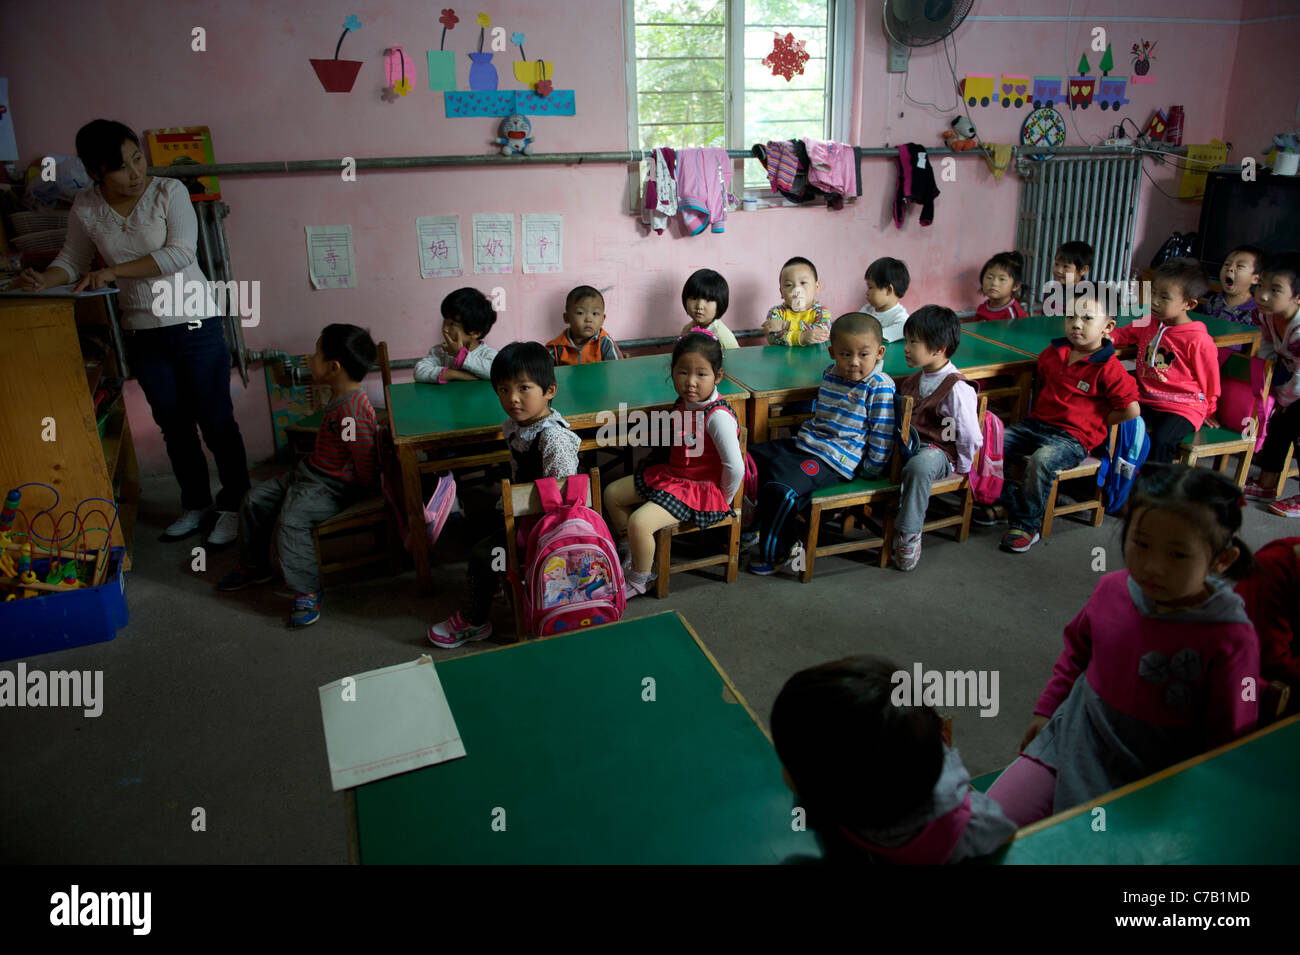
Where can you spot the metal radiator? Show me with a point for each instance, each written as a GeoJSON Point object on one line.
{"type": "Point", "coordinates": [213, 255]}
{"type": "Point", "coordinates": [1088, 198]}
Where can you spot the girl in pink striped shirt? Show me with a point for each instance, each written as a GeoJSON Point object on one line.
{"type": "Point", "coordinates": [1156, 665]}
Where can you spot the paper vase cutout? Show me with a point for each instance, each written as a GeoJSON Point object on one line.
{"type": "Point", "coordinates": [337, 76]}
{"type": "Point", "coordinates": [505, 102]}
{"type": "Point", "coordinates": [482, 74]}
{"type": "Point", "coordinates": [532, 72]}
{"type": "Point", "coordinates": [398, 67]}
{"type": "Point", "coordinates": [442, 70]}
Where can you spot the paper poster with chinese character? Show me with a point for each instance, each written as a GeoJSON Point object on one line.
{"type": "Point", "coordinates": [543, 241]}
{"type": "Point", "coordinates": [439, 241]}
{"type": "Point", "coordinates": [329, 256]}
{"type": "Point", "coordinates": [494, 242]}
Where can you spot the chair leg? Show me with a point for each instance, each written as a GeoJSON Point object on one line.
{"type": "Point", "coordinates": [967, 505]}
{"type": "Point", "coordinates": [517, 608]}
{"type": "Point", "coordinates": [810, 549]}
{"type": "Point", "coordinates": [1244, 468]}
{"type": "Point", "coordinates": [733, 552]}
{"type": "Point", "coordinates": [887, 537]}
{"type": "Point", "coordinates": [663, 560]}
{"type": "Point", "coordinates": [1050, 511]}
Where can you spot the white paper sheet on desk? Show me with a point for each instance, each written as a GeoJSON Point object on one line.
{"type": "Point", "coordinates": [59, 291]}
{"type": "Point", "coordinates": [386, 722]}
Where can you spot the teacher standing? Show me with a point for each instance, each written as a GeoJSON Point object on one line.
{"type": "Point", "coordinates": [144, 227]}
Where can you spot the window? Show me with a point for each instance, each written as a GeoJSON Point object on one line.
{"type": "Point", "coordinates": [696, 76]}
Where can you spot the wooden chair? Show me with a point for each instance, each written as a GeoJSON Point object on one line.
{"type": "Point", "coordinates": [664, 565]}
{"type": "Point", "coordinates": [1095, 501]}
{"type": "Point", "coordinates": [371, 514]}
{"type": "Point", "coordinates": [522, 500]}
{"type": "Point", "coordinates": [859, 492]}
{"type": "Point", "coordinates": [1223, 443]}
{"type": "Point", "coordinates": [953, 484]}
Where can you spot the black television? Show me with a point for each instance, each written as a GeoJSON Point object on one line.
{"type": "Point", "coordinates": [1264, 213]}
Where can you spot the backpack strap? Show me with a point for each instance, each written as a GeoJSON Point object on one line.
{"type": "Point", "coordinates": [575, 490]}
{"type": "Point", "coordinates": [548, 489]}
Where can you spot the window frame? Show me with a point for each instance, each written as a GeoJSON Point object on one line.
{"type": "Point", "coordinates": [837, 95]}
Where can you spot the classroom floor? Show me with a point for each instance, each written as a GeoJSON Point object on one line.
{"type": "Point", "coordinates": [209, 701]}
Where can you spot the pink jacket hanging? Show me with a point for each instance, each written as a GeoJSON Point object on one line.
{"type": "Point", "coordinates": [703, 188]}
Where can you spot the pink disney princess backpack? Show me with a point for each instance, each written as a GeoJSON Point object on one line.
{"type": "Point", "coordinates": [572, 575]}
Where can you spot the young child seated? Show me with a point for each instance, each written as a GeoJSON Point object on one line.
{"type": "Point", "coordinates": [1279, 325]}
{"type": "Point", "coordinates": [1239, 275]}
{"type": "Point", "coordinates": [1070, 267]}
{"type": "Point", "coordinates": [342, 467]}
{"type": "Point", "coordinates": [874, 775]}
{"type": "Point", "coordinates": [705, 465]}
{"type": "Point", "coordinates": [541, 445]}
{"type": "Point", "coordinates": [1000, 281]}
{"type": "Point", "coordinates": [704, 296]}
{"type": "Point", "coordinates": [1082, 389]}
{"type": "Point", "coordinates": [799, 319]}
{"type": "Point", "coordinates": [945, 415]}
{"type": "Point", "coordinates": [1154, 665]}
{"type": "Point", "coordinates": [585, 340]}
{"type": "Point", "coordinates": [851, 431]}
{"type": "Point", "coordinates": [1272, 597]}
{"type": "Point", "coordinates": [887, 282]}
{"type": "Point", "coordinates": [467, 317]}
{"type": "Point", "coordinates": [1177, 361]}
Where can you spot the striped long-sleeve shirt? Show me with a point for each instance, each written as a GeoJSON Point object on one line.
{"type": "Point", "coordinates": [346, 450]}
{"type": "Point", "coordinates": [854, 425]}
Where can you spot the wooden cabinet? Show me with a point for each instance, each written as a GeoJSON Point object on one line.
{"type": "Point", "coordinates": [48, 428]}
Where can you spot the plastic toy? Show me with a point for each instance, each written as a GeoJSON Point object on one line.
{"type": "Point", "coordinates": [961, 136]}
{"type": "Point", "coordinates": [515, 138]}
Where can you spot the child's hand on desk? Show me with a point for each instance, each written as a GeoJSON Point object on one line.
{"type": "Point", "coordinates": [774, 325]}
{"type": "Point", "coordinates": [1212, 422]}
{"type": "Point", "coordinates": [1035, 725]}
{"type": "Point", "coordinates": [814, 334]}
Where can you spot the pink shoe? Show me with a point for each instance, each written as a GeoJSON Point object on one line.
{"type": "Point", "coordinates": [1287, 507]}
{"type": "Point", "coordinates": [1254, 491]}
{"type": "Point", "coordinates": [456, 630]}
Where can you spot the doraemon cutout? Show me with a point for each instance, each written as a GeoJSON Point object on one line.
{"type": "Point", "coordinates": [514, 136]}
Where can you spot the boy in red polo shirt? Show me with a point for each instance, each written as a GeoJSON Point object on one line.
{"type": "Point", "coordinates": [1082, 390]}
{"type": "Point", "coordinates": [585, 340]}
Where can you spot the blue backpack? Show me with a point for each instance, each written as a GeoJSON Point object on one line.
{"type": "Point", "coordinates": [1117, 473]}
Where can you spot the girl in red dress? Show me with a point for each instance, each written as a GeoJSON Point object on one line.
{"type": "Point", "coordinates": [705, 465]}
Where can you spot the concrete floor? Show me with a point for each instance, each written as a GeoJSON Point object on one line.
{"type": "Point", "coordinates": [211, 702]}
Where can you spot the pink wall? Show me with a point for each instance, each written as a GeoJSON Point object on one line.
{"type": "Point", "coordinates": [255, 89]}
{"type": "Point", "coordinates": [1265, 78]}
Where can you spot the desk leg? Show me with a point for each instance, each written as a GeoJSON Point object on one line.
{"type": "Point", "coordinates": [1025, 382]}
{"type": "Point", "coordinates": [410, 461]}
{"type": "Point", "coordinates": [758, 414]}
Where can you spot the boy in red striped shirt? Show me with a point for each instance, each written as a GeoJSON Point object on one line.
{"type": "Point", "coordinates": [341, 468]}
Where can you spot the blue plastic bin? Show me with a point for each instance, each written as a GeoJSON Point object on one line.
{"type": "Point", "coordinates": [64, 620]}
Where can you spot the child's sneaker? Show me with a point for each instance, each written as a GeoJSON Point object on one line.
{"type": "Point", "coordinates": [1017, 541]}
{"type": "Point", "coordinates": [763, 569]}
{"type": "Point", "coordinates": [306, 610]}
{"type": "Point", "coordinates": [456, 630]}
{"type": "Point", "coordinates": [242, 577]}
{"type": "Point", "coordinates": [989, 515]}
{"type": "Point", "coordinates": [748, 540]}
{"type": "Point", "coordinates": [1287, 507]}
{"type": "Point", "coordinates": [907, 552]}
{"type": "Point", "coordinates": [1254, 491]}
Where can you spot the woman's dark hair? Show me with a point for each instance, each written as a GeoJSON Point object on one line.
{"type": "Point", "coordinates": [937, 328]}
{"type": "Point", "coordinates": [1187, 274]}
{"type": "Point", "coordinates": [889, 273]}
{"type": "Point", "coordinates": [1076, 253]}
{"type": "Point", "coordinates": [1013, 262]}
{"type": "Point", "coordinates": [701, 343]}
{"type": "Point", "coordinates": [351, 347]}
{"type": "Point", "coordinates": [708, 285]}
{"type": "Point", "coordinates": [1208, 500]}
{"type": "Point", "coordinates": [99, 146]}
{"type": "Point", "coordinates": [856, 759]}
{"type": "Point", "coordinates": [472, 309]}
{"type": "Point", "coordinates": [527, 360]}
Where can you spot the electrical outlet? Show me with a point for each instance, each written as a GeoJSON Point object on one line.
{"type": "Point", "coordinates": [1120, 141]}
{"type": "Point", "coordinates": [898, 57]}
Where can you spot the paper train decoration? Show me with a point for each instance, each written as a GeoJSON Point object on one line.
{"type": "Point", "coordinates": [1076, 92]}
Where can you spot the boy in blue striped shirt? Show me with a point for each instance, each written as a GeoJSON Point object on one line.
{"type": "Point", "coordinates": [851, 432]}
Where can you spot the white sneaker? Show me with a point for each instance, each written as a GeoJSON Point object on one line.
{"type": "Point", "coordinates": [225, 530]}
{"type": "Point", "coordinates": [182, 527]}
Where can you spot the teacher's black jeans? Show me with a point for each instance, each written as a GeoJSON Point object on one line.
{"type": "Point", "coordinates": [185, 374]}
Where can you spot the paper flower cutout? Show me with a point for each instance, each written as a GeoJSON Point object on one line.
{"type": "Point", "coordinates": [389, 95]}
{"type": "Point", "coordinates": [484, 20]}
{"type": "Point", "coordinates": [402, 87]}
{"type": "Point", "coordinates": [448, 19]}
{"type": "Point", "coordinates": [544, 88]}
{"type": "Point", "coordinates": [787, 57]}
{"type": "Point", "coordinates": [352, 23]}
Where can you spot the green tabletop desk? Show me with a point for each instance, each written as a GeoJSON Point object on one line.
{"type": "Point", "coordinates": [565, 751]}
{"type": "Point", "coordinates": [775, 374]}
{"type": "Point", "coordinates": [1033, 334]}
{"type": "Point", "coordinates": [427, 417]}
{"type": "Point", "coordinates": [1235, 805]}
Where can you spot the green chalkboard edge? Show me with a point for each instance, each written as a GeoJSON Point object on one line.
{"type": "Point", "coordinates": [1151, 780]}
